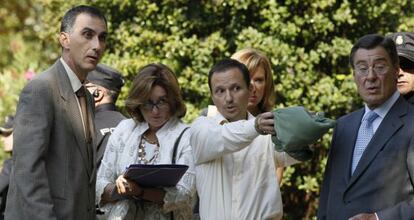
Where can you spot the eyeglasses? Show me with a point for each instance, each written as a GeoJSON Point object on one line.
{"type": "Point", "coordinates": [380, 69]}
{"type": "Point", "coordinates": [161, 104]}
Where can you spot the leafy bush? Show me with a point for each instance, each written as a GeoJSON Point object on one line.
{"type": "Point", "coordinates": [307, 41]}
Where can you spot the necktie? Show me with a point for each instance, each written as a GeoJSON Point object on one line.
{"type": "Point", "coordinates": [365, 134]}
{"type": "Point", "coordinates": [81, 94]}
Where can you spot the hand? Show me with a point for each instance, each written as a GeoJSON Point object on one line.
{"type": "Point", "coordinates": [264, 123]}
{"type": "Point", "coordinates": [364, 216]}
{"type": "Point", "coordinates": [128, 187]}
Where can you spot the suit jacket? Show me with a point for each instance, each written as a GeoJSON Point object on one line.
{"type": "Point", "coordinates": [54, 173]}
{"type": "Point", "coordinates": [383, 180]}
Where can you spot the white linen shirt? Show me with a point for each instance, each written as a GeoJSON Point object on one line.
{"type": "Point", "coordinates": [122, 150]}
{"type": "Point", "coordinates": [236, 170]}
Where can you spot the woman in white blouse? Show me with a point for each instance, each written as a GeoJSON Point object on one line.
{"type": "Point", "coordinates": [156, 106]}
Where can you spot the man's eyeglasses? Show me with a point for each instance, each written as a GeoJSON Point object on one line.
{"type": "Point", "coordinates": [380, 69]}
{"type": "Point", "coordinates": [161, 104]}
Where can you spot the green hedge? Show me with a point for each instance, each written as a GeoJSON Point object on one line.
{"type": "Point", "coordinates": [307, 41]}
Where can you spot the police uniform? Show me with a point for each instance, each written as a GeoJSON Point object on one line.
{"type": "Point", "coordinates": [106, 115]}
{"type": "Point", "coordinates": [106, 119]}
{"type": "Point", "coordinates": [404, 42]}
{"type": "Point", "coordinates": [5, 130]}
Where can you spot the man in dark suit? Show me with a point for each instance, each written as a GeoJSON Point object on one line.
{"type": "Point", "coordinates": [54, 172]}
{"type": "Point", "coordinates": [370, 170]}
{"type": "Point", "coordinates": [105, 83]}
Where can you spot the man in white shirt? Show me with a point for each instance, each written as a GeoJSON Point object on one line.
{"type": "Point", "coordinates": [235, 166]}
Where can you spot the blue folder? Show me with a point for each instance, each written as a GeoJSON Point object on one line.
{"type": "Point", "coordinates": [160, 175]}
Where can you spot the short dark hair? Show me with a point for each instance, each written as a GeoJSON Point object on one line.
{"type": "Point", "coordinates": [148, 77]}
{"type": "Point", "coordinates": [227, 64]}
{"type": "Point", "coordinates": [70, 16]}
{"type": "Point", "coordinates": [370, 41]}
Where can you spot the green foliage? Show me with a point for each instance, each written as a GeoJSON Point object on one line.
{"type": "Point", "coordinates": [308, 43]}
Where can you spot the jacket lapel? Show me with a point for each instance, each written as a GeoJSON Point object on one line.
{"type": "Point", "coordinates": [388, 127]}
{"type": "Point", "coordinates": [73, 113]}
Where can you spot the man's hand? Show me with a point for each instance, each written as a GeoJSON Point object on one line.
{"type": "Point", "coordinates": [264, 123]}
{"type": "Point", "coordinates": [364, 216]}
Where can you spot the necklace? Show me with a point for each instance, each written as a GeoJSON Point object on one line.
{"type": "Point", "coordinates": [142, 153]}
{"type": "Point", "coordinates": [154, 141]}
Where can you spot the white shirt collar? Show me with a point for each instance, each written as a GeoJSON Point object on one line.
{"type": "Point", "coordinates": [383, 109]}
{"type": "Point", "coordinates": [73, 78]}
{"type": "Point", "coordinates": [219, 118]}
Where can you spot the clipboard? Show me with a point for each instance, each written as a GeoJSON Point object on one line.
{"type": "Point", "coordinates": [159, 175]}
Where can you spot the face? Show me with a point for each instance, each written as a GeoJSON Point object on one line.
{"type": "Point", "coordinates": [7, 142]}
{"type": "Point", "coordinates": [156, 110]}
{"type": "Point", "coordinates": [258, 83]}
{"type": "Point", "coordinates": [230, 94]}
{"type": "Point", "coordinates": [405, 81]}
{"type": "Point", "coordinates": [374, 75]}
{"type": "Point", "coordinates": [85, 43]}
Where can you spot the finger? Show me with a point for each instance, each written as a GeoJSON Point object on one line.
{"type": "Point", "coordinates": [121, 184]}
{"type": "Point", "coordinates": [267, 115]}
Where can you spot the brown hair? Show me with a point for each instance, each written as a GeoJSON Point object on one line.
{"type": "Point", "coordinates": [148, 77]}
{"type": "Point", "coordinates": [254, 59]}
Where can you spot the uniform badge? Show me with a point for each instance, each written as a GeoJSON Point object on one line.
{"type": "Point", "coordinates": [399, 40]}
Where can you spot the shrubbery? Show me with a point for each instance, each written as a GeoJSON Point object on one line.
{"type": "Point", "coordinates": [307, 41]}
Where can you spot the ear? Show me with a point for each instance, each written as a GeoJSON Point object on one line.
{"type": "Point", "coordinates": [64, 40]}
{"type": "Point", "coordinates": [100, 94]}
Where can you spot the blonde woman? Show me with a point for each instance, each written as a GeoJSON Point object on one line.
{"type": "Point", "coordinates": [262, 97]}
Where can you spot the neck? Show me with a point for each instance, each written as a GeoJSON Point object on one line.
{"type": "Point", "coordinates": [150, 133]}
{"type": "Point", "coordinates": [254, 111]}
{"type": "Point", "coordinates": [81, 74]}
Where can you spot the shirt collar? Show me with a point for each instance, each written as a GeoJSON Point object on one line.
{"type": "Point", "coordinates": [219, 118]}
{"type": "Point", "coordinates": [73, 78]}
{"type": "Point", "coordinates": [383, 109]}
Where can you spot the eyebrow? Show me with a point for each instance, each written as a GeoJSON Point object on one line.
{"type": "Point", "coordinates": [375, 60]}
{"type": "Point", "coordinates": [92, 30]}
{"type": "Point", "coordinates": [159, 98]}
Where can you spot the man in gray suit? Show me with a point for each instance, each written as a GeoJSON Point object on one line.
{"type": "Point", "coordinates": [370, 170]}
{"type": "Point", "coordinates": [54, 173]}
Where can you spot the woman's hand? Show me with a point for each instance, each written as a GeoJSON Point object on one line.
{"type": "Point", "coordinates": [128, 187]}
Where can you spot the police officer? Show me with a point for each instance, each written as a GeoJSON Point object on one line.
{"type": "Point", "coordinates": [105, 83]}
{"type": "Point", "coordinates": [6, 136]}
{"type": "Point", "coordinates": [405, 47]}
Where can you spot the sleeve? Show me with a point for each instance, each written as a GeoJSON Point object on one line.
{"type": "Point", "coordinates": [107, 171]}
{"type": "Point", "coordinates": [211, 140]}
{"type": "Point", "coordinates": [323, 200]}
{"type": "Point", "coordinates": [181, 196]}
{"type": "Point", "coordinates": [404, 209]}
{"type": "Point", "coordinates": [33, 125]}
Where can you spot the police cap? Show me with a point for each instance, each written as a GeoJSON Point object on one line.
{"type": "Point", "coordinates": [106, 77]}
{"type": "Point", "coordinates": [404, 42]}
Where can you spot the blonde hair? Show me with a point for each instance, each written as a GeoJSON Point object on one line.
{"type": "Point", "coordinates": [254, 59]}
{"type": "Point", "coordinates": [148, 77]}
